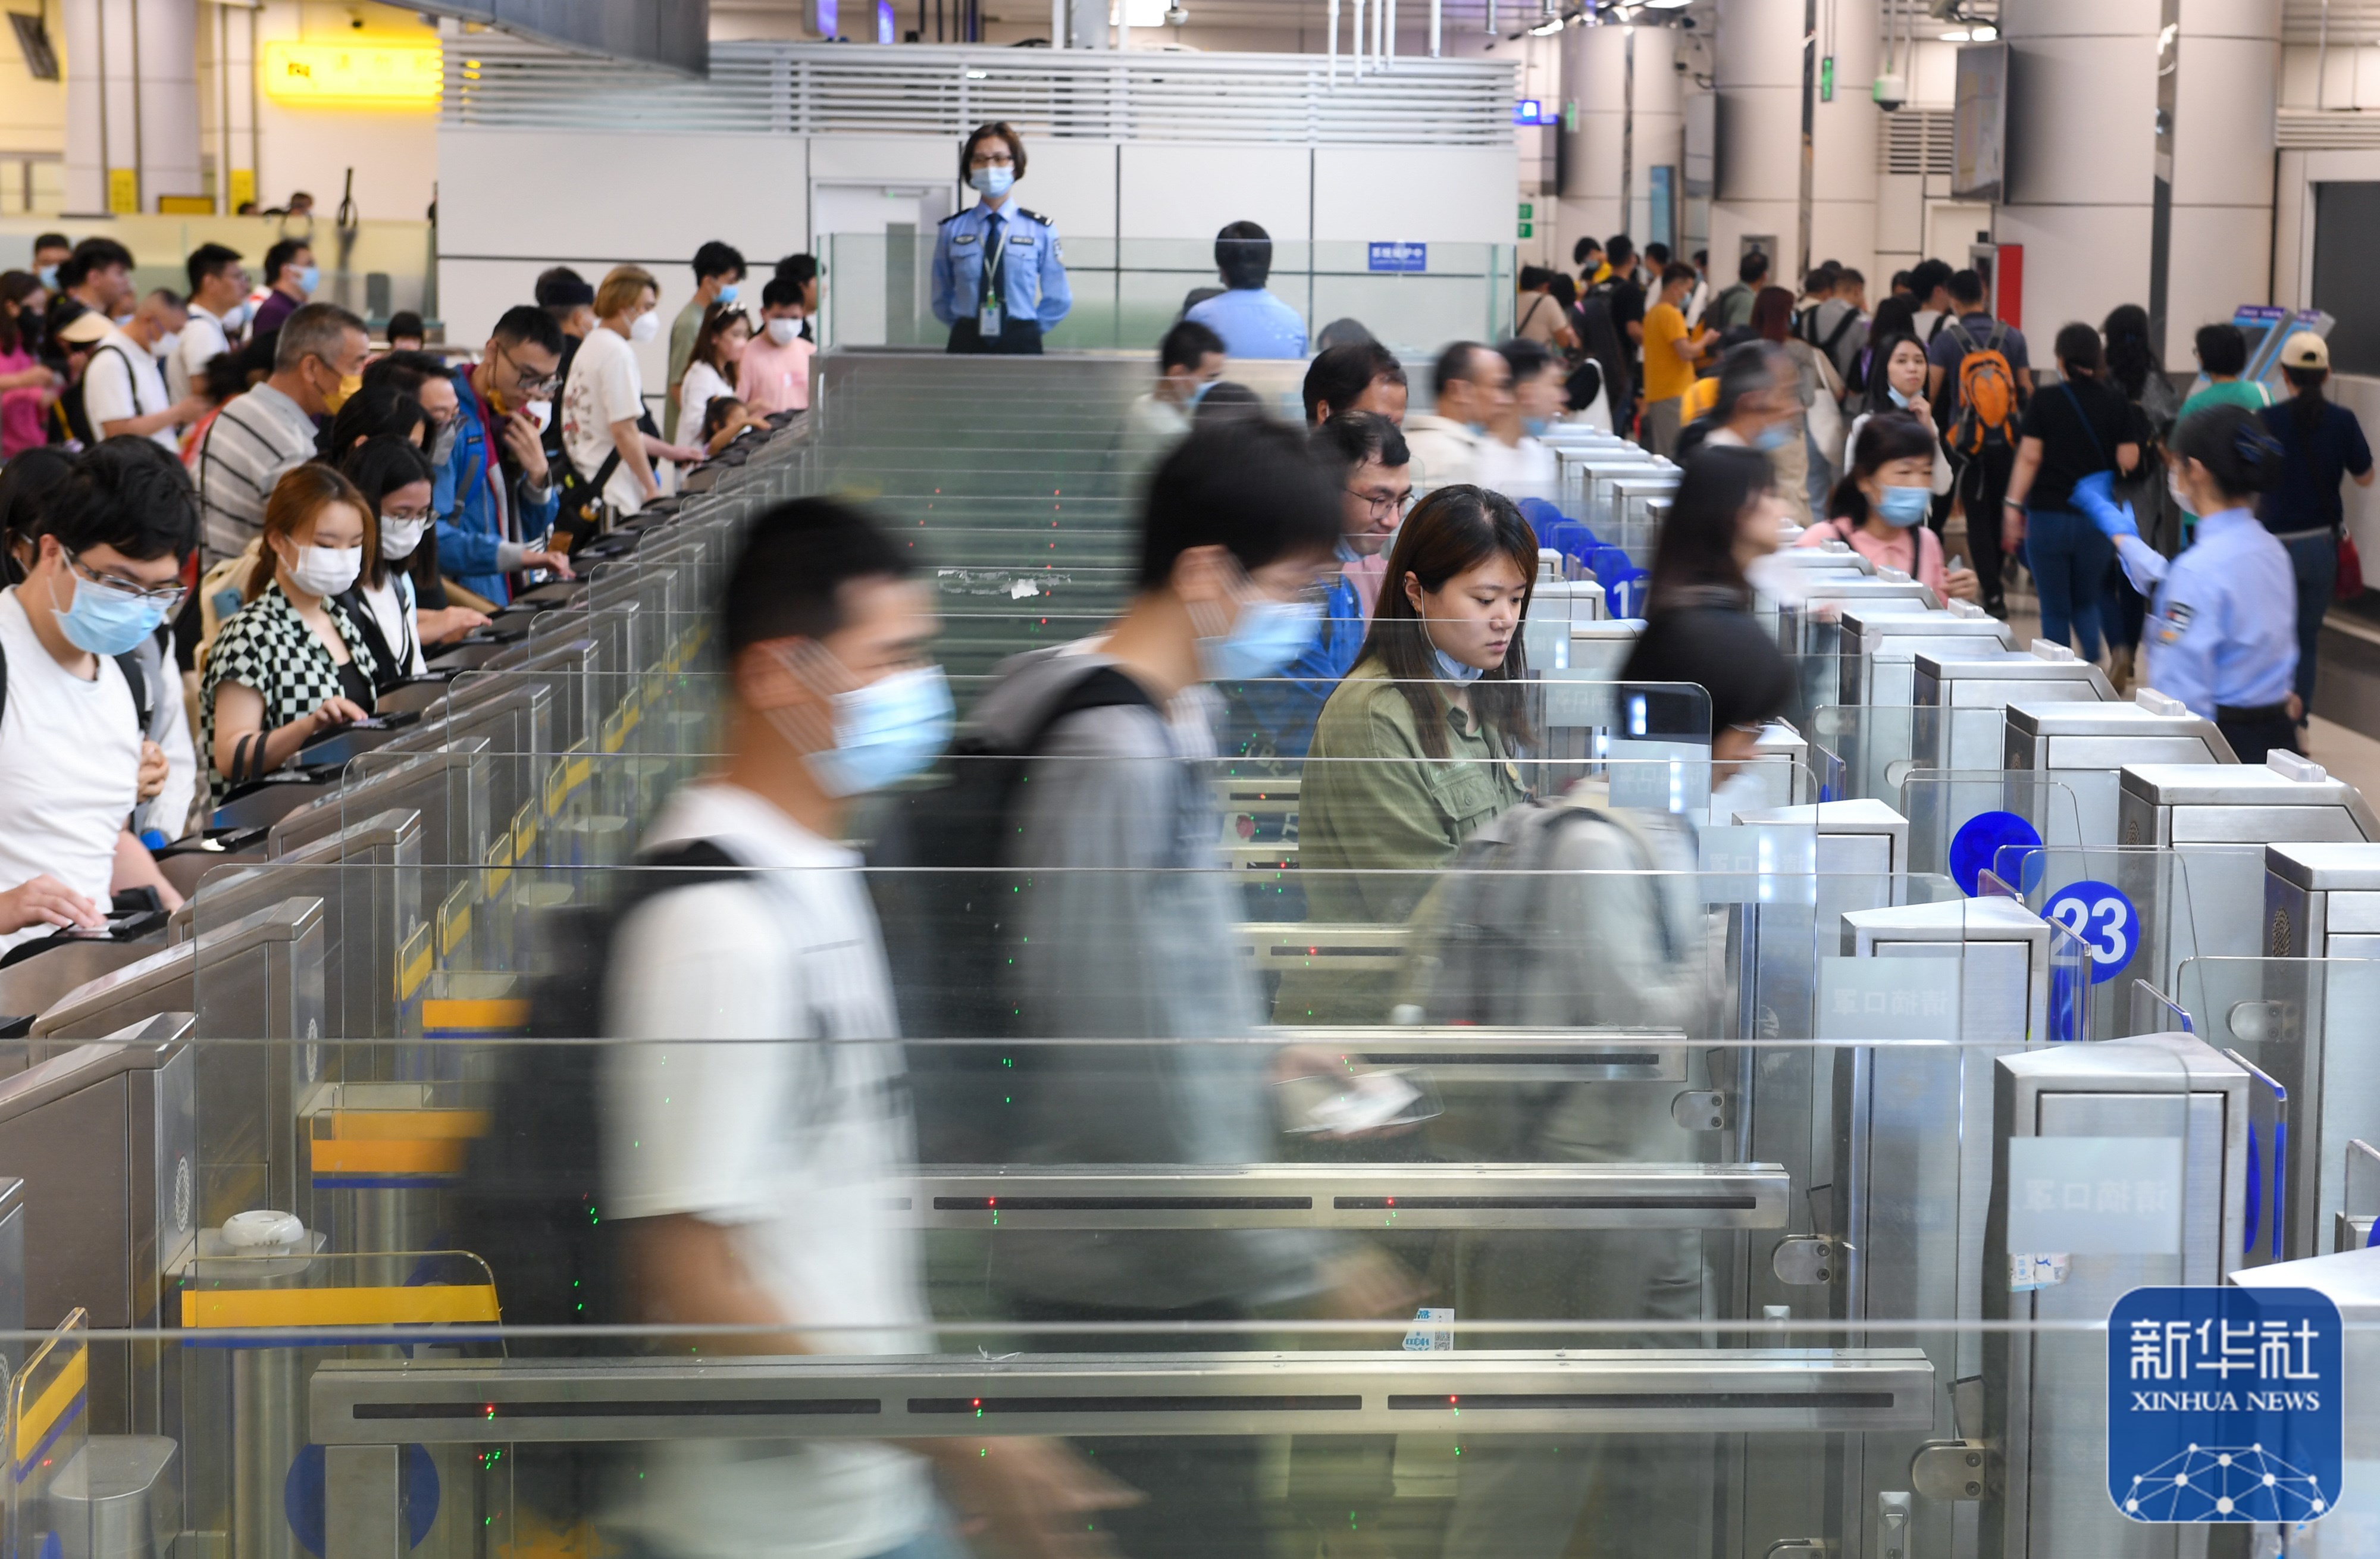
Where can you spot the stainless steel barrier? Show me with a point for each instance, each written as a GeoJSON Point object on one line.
{"type": "Point", "coordinates": [2322, 901]}
{"type": "Point", "coordinates": [2285, 799]}
{"type": "Point", "coordinates": [103, 1142]}
{"type": "Point", "coordinates": [1879, 646]}
{"type": "Point", "coordinates": [2046, 1391]}
{"type": "Point", "coordinates": [2084, 746]}
{"type": "Point", "coordinates": [1952, 688]}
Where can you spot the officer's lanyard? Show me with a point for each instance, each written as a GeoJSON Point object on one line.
{"type": "Point", "coordinates": [486, 413]}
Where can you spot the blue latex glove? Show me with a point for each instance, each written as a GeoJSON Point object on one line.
{"type": "Point", "coordinates": [2094, 495]}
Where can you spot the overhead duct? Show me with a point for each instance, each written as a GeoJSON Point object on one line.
{"type": "Point", "coordinates": [673, 34]}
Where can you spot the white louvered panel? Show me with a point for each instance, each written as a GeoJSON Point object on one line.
{"type": "Point", "coordinates": [799, 89]}
{"type": "Point", "coordinates": [2308, 130]}
{"type": "Point", "coordinates": [2348, 23]}
{"type": "Point", "coordinates": [1915, 141]}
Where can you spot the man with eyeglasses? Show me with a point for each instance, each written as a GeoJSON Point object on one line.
{"type": "Point", "coordinates": [1367, 453]}
{"type": "Point", "coordinates": [494, 495]}
{"type": "Point", "coordinates": [259, 437]}
{"type": "Point", "coordinates": [75, 761]}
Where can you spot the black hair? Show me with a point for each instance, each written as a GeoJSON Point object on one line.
{"type": "Point", "coordinates": [1819, 280]}
{"type": "Point", "coordinates": [2231, 443]}
{"type": "Point", "coordinates": [1899, 279]}
{"type": "Point", "coordinates": [226, 377]}
{"type": "Point", "coordinates": [1347, 441]}
{"type": "Point", "coordinates": [15, 288]}
{"type": "Point", "coordinates": [1928, 275]}
{"type": "Point", "coordinates": [1896, 315]}
{"type": "Point", "coordinates": [1751, 268]}
{"type": "Point", "coordinates": [1584, 246]}
{"type": "Point", "coordinates": [1244, 254]}
{"type": "Point", "coordinates": [373, 411]}
{"type": "Point", "coordinates": [404, 322]}
{"type": "Point", "coordinates": [525, 325]}
{"type": "Point", "coordinates": [2306, 402]}
{"type": "Point", "coordinates": [1227, 400]}
{"type": "Point", "coordinates": [1339, 375]}
{"type": "Point", "coordinates": [116, 495]}
{"type": "Point", "coordinates": [561, 290]}
{"type": "Point", "coordinates": [1246, 484]}
{"type": "Point", "coordinates": [1565, 290]}
{"type": "Point", "coordinates": [1004, 130]}
{"type": "Point", "coordinates": [1884, 437]}
{"type": "Point", "coordinates": [803, 269]}
{"type": "Point", "coordinates": [280, 256]}
{"type": "Point", "coordinates": [714, 414]}
{"type": "Point", "coordinates": [1702, 257]}
{"type": "Point", "coordinates": [1533, 277]}
{"type": "Point", "coordinates": [1452, 532]}
{"type": "Point", "coordinates": [1526, 358]}
{"type": "Point", "coordinates": [1346, 332]}
{"type": "Point", "coordinates": [1188, 345]}
{"type": "Point", "coordinates": [404, 372]}
{"type": "Point", "coordinates": [2222, 348]}
{"type": "Point", "coordinates": [1674, 273]}
{"type": "Point", "coordinates": [780, 292]}
{"type": "Point", "coordinates": [788, 578]}
{"type": "Point", "coordinates": [1619, 250]}
{"type": "Point", "coordinates": [1452, 364]}
{"type": "Point", "coordinates": [1967, 287]}
{"type": "Point", "coordinates": [2130, 359]}
{"type": "Point", "coordinates": [51, 240]}
{"type": "Point", "coordinates": [2078, 349]}
{"type": "Point", "coordinates": [1657, 255]}
{"type": "Point", "coordinates": [379, 467]}
{"type": "Point", "coordinates": [715, 258]}
{"type": "Point", "coordinates": [98, 254]}
{"type": "Point", "coordinates": [1877, 397]}
{"type": "Point", "coordinates": [28, 475]}
{"type": "Point", "coordinates": [1696, 549]}
{"type": "Point", "coordinates": [208, 260]}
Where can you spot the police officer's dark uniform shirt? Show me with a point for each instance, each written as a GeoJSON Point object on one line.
{"type": "Point", "coordinates": [1027, 294]}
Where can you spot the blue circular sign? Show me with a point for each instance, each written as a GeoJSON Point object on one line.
{"type": "Point", "coordinates": [2103, 919]}
{"type": "Point", "coordinates": [1975, 848]}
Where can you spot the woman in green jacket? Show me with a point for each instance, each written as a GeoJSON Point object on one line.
{"type": "Point", "coordinates": [1417, 749]}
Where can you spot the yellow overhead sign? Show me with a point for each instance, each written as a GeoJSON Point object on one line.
{"type": "Point", "coordinates": [367, 73]}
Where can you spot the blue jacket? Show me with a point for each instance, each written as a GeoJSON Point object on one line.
{"type": "Point", "coordinates": [1033, 268]}
{"type": "Point", "coordinates": [470, 526]}
{"type": "Point", "coordinates": [1285, 707]}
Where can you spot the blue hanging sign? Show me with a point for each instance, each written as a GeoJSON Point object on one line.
{"type": "Point", "coordinates": [2103, 919]}
{"type": "Point", "coordinates": [2225, 1404]}
{"type": "Point", "coordinates": [1399, 257]}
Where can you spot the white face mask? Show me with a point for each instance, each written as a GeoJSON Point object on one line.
{"type": "Point", "coordinates": [326, 570]}
{"type": "Point", "coordinates": [782, 331]}
{"type": "Point", "coordinates": [648, 325]}
{"type": "Point", "coordinates": [399, 537]}
{"type": "Point", "coordinates": [163, 346]}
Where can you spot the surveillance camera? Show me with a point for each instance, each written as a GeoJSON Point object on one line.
{"type": "Point", "coordinates": [1891, 91]}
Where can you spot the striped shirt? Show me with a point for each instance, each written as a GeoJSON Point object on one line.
{"type": "Point", "coordinates": [253, 441]}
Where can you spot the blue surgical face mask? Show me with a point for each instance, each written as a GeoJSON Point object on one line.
{"type": "Point", "coordinates": [309, 278]}
{"type": "Point", "coordinates": [106, 622]}
{"type": "Point", "coordinates": [1906, 506]}
{"type": "Point", "coordinates": [1452, 670]}
{"type": "Point", "coordinates": [1537, 426]}
{"type": "Point", "coordinates": [1772, 438]}
{"type": "Point", "coordinates": [1266, 636]}
{"type": "Point", "coordinates": [993, 181]}
{"type": "Point", "coordinates": [1198, 391]}
{"type": "Point", "coordinates": [727, 293]}
{"type": "Point", "coordinates": [49, 274]}
{"type": "Point", "coordinates": [1897, 398]}
{"type": "Point", "coordinates": [884, 732]}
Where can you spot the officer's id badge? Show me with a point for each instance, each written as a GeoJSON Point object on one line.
{"type": "Point", "coordinates": [2169, 627]}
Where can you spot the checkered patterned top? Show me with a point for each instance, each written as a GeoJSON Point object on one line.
{"type": "Point", "coordinates": [267, 646]}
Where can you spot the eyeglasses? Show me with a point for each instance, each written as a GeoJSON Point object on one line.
{"type": "Point", "coordinates": [530, 383]}
{"type": "Point", "coordinates": [1392, 503]}
{"type": "Point", "coordinates": [407, 516]}
{"type": "Point", "coordinates": [165, 600]}
{"type": "Point", "coordinates": [992, 160]}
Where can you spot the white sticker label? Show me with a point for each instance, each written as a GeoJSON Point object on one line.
{"type": "Point", "coordinates": [1433, 1332]}
{"type": "Point", "coordinates": [2029, 1272]}
{"type": "Point", "coordinates": [2096, 1196]}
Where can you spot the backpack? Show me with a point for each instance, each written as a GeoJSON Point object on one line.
{"type": "Point", "coordinates": [73, 419]}
{"type": "Point", "coordinates": [1986, 393]}
{"type": "Point", "coordinates": [1834, 338]}
{"type": "Point", "coordinates": [144, 697]}
{"type": "Point", "coordinates": [578, 511]}
{"type": "Point", "coordinates": [945, 895]}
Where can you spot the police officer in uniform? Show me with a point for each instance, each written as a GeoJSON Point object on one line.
{"type": "Point", "coordinates": [1000, 276]}
{"type": "Point", "coordinates": [2221, 634]}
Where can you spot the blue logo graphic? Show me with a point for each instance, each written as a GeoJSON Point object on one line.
{"type": "Point", "coordinates": [1979, 842]}
{"type": "Point", "coordinates": [2103, 919]}
{"type": "Point", "coordinates": [2224, 1405]}
{"type": "Point", "coordinates": [1399, 257]}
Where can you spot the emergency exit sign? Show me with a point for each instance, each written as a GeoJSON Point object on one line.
{"type": "Point", "coordinates": [1528, 220]}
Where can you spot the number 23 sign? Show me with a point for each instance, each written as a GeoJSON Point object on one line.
{"type": "Point", "coordinates": [2103, 919]}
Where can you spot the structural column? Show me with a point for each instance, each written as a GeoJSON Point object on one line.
{"type": "Point", "coordinates": [2140, 157]}
{"type": "Point", "coordinates": [1769, 68]}
{"type": "Point", "coordinates": [132, 103]}
{"type": "Point", "coordinates": [1622, 120]}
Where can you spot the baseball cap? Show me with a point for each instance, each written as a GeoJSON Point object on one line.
{"type": "Point", "coordinates": [2305, 349]}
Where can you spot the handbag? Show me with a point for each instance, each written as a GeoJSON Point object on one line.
{"type": "Point", "coordinates": [2349, 583]}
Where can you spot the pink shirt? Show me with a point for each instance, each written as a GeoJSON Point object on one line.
{"type": "Point", "coordinates": [1889, 552]}
{"type": "Point", "coordinates": [21, 409]}
{"type": "Point", "coordinates": [774, 378]}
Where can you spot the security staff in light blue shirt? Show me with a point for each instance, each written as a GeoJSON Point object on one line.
{"type": "Point", "coordinates": [1000, 275]}
{"type": "Point", "coordinates": [2221, 633]}
{"type": "Point", "coordinates": [1252, 321]}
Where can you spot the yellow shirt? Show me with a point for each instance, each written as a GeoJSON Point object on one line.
{"type": "Point", "coordinates": [1699, 400]}
{"type": "Point", "coordinates": [1665, 373]}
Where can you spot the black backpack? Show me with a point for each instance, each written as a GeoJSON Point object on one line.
{"type": "Point", "coordinates": [73, 419]}
{"type": "Point", "coordinates": [945, 896]}
{"type": "Point", "coordinates": [144, 700]}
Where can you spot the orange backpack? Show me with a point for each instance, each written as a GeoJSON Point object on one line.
{"type": "Point", "coordinates": [1987, 392]}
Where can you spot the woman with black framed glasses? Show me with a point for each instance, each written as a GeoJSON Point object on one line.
{"type": "Point", "coordinates": [398, 601]}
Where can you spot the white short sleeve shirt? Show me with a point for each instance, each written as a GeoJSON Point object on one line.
{"type": "Point", "coordinates": [69, 767]}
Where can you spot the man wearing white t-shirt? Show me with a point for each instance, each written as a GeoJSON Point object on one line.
{"type": "Point", "coordinates": [73, 760]}
{"type": "Point", "coordinates": [218, 294]}
{"type": "Point", "coordinates": [123, 390]}
{"type": "Point", "coordinates": [753, 1176]}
